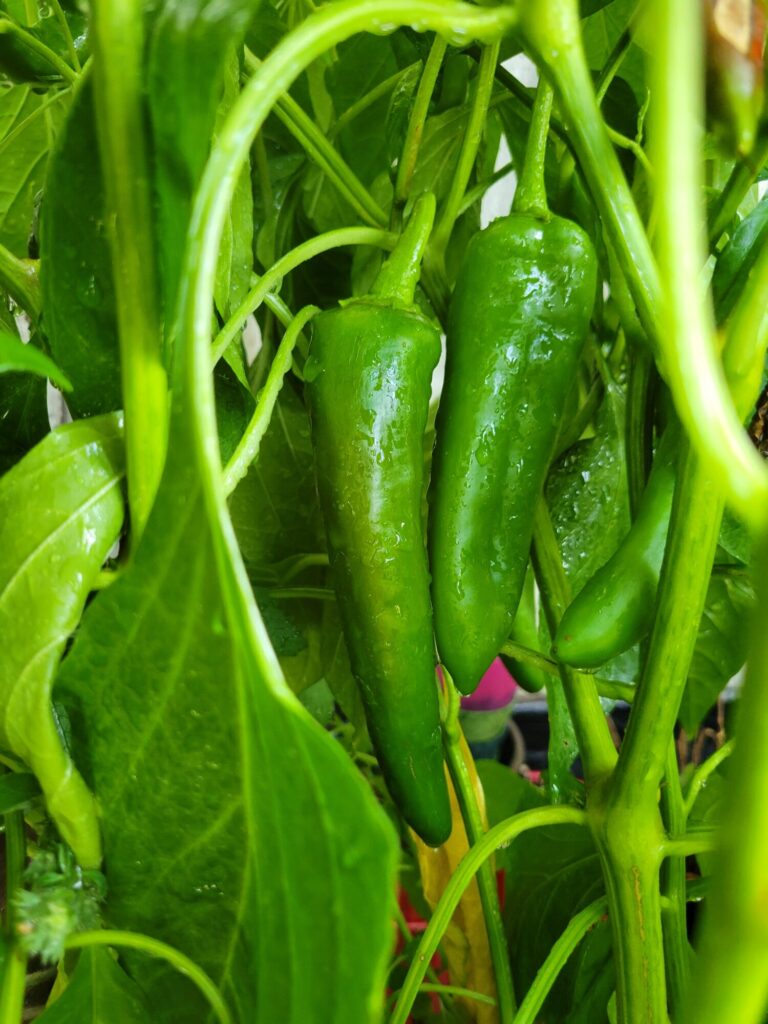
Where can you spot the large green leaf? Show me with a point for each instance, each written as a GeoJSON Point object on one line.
{"type": "Point", "coordinates": [79, 317]}
{"type": "Point", "coordinates": [98, 993]}
{"type": "Point", "coordinates": [721, 647]}
{"type": "Point", "coordinates": [190, 45]}
{"type": "Point", "coordinates": [15, 355]}
{"type": "Point", "coordinates": [60, 512]}
{"type": "Point", "coordinates": [28, 125]}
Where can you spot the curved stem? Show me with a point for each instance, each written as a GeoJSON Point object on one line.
{"type": "Point", "coordinates": [65, 31]}
{"type": "Point", "coordinates": [417, 120]}
{"type": "Point", "coordinates": [319, 149]}
{"type": "Point", "coordinates": [155, 948]}
{"type": "Point", "coordinates": [117, 33]}
{"type": "Point", "coordinates": [598, 753]}
{"type": "Point", "coordinates": [19, 278]}
{"type": "Point", "coordinates": [37, 46]}
{"type": "Point", "coordinates": [293, 259]}
{"type": "Point", "coordinates": [702, 773]}
{"type": "Point", "coordinates": [689, 358]}
{"type": "Point", "coordinates": [522, 653]}
{"type": "Point", "coordinates": [396, 281]}
{"type": "Point", "coordinates": [700, 841]}
{"type": "Point", "coordinates": [499, 835]}
{"type": "Point", "coordinates": [531, 192]}
{"type": "Point", "coordinates": [469, 147]}
{"type": "Point", "coordinates": [557, 958]}
{"type": "Point", "coordinates": [486, 878]}
{"type": "Point", "coordinates": [450, 990]}
{"type": "Point", "coordinates": [248, 448]}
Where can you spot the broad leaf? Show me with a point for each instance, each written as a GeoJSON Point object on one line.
{"type": "Point", "coordinates": [15, 355]}
{"type": "Point", "coordinates": [98, 993]}
{"type": "Point", "coordinates": [17, 790]}
{"type": "Point", "coordinates": [23, 416]}
{"type": "Point", "coordinates": [735, 262]}
{"type": "Point", "coordinates": [721, 647]}
{"type": "Point", "coordinates": [60, 512]}
{"type": "Point", "coordinates": [79, 317]}
{"type": "Point", "coordinates": [28, 126]}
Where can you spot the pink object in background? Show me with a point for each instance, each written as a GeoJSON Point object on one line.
{"type": "Point", "coordinates": [495, 690]}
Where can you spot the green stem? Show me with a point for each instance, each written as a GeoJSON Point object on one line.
{"type": "Point", "coordinates": [689, 357]}
{"type": "Point", "coordinates": [598, 753]}
{"type": "Point", "coordinates": [270, 281]}
{"type": "Point", "coordinates": [531, 192]}
{"type": "Point", "coordinates": [674, 925]}
{"type": "Point", "coordinates": [522, 653]}
{"type": "Point", "coordinates": [747, 337]}
{"type": "Point", "coordinates": [162, 951]}
{"type": "Point", "coordinates": [740, 181]}
{"type": "Point", "coordinates": [14, 977]}
{"type": "Point", "coordinates": [20, 280]}
{"type": "Point", "coordinates": [248, 448]}
{"type": "Point", "coordinates": [731, 981]}
{"type": "Point", "coordinates": [693, 532]}
{"type": "Point", "coordinates": [499, 835]}
{"type": "Point", "coordinates": [367, 101]}
{"type": "Point", "coordinates": [688, 845]}
{"type": "Point", "coordinates": [486, 878]}
{"type": "Point", "coordinates": [449, 990]}
{"type": "Point", "coordinates": [469, 147]}
{"type": "Point", "coordinates": [557, 958]}
{"type": "Point", "coordinates": [322, 152]}
{"type": "Point", "coordinates": [702, 773]}
{"type": "Point", "coordinates": [65, 31]}
{"type": "Point", "coordinates": [396, 281]}
{"type": "Point", "coordinates": [418, 119]}
{"type": "Point", "coordinates": [639, 424]}
{"type": "Point", "coordinates": [117, 34]}
{"type": "Point", "coordinates": [37, 46]}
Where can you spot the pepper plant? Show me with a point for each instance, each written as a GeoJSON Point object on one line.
{"type": "Point", "coordinates": [232, 235]}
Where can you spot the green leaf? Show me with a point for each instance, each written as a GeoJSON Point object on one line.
{"type": "Point", "coordinates": [439, 152]}
{"type": "Point", "coordinates": [721, 647]}
{"type": "Point", "coordinates": [600, 32]}
{"type": "Point", "coordinates": [79, 321]}
{"type": "Point", "coordinates": [17, 790]}
{"type": "Point", "coordinates": [190, 45]}
{"type": "Point", "coordinates": [15, 355]}
{"type": "Point", "coordinates": [218, 793]}
{"type": "Point", "coordinates": [98, 993]}
{"type": "Point", "coordinates": [737, 259]}
{"type": "Point", "coordinates": [23, 416]}
{"type": "Point", "coordinates": [588, 497]}
{"type": "Point", "coordinates": [552, 873]}
{"type": "Point", "coordinates": [233, 273]}
{"type": "Point", "coordinates": [60, 512]}
{"type": "Point", "coordinates": [28, 127]}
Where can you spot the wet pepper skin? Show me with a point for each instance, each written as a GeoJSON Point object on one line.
{"type": "Point", "coordinates": [368, 388]}
{"type": "Point", "coordinates": [517, 324]}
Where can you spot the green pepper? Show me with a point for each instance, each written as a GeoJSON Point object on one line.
{"type": "Point", "coordinates": [368, 386]}
{"type": "Point", "coordinates": [517, 324]}
{"type": "Point", "coordinates": [615, 609]}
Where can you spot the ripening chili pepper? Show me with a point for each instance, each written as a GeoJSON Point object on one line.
{"type": "Point", "coordinates": [369, 385]}
{"type": "Point", "coordinates": [615, 609]}
{"type": "Point", "coordinates": [517, 325]}
{"type": "Point", "coordinates": [735, 54]}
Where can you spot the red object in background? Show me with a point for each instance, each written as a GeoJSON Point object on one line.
{"type": "Point", "coordinates": [495, 690]}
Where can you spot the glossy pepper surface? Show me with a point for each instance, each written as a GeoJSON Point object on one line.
{"type": "Point", "coordinates": [517, 324]}
{"type": "Point", "coordinates": [368, 387]}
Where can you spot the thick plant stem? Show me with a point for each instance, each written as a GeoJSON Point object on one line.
{"type": "Point", "coordinates": [689, 360]}
{"type": "Point", "coordinates": [731, 982]}
{"type": "Point", "coordinates": [486, 879]}
{"type": "Point", "coordinates": [629, 841]}
{"type": "Point", "coordinates": [531, 192]}
{"type": "Point", "coordinates": [598, 753]}
{"type": "Point", "coordinates": [117, 34]}
{"type": "Point", "coordinates": [691, 543]}
{"type": "Point", "coordinates": [676, 949]}
{"type": "Point", "coordinates": [500, 834]}
{"type": "Point", "coordinates": [19, 279]}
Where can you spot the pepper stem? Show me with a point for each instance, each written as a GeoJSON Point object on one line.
{"type": "Point", "coordinates": [399, 275]}
{"type": "Point", "coordinates": [531, 192]}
